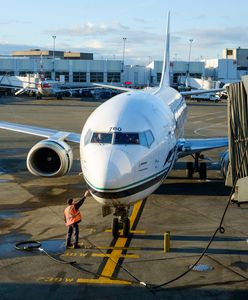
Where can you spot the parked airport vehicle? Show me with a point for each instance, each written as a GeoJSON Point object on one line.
{"type": "Point", "coordinates": [207, 97]}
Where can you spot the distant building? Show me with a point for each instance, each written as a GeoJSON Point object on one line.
{"type": "Point", "coordinates": [136, 76]}
{"type": "Point", "coordinates": [74, 71]}
{"type": "Point", "coordinates": [239, 55]}
{"type": "Point", "coordinates": [79, 67]}
{"type": "Point", "coordinates": [229, 68]}
{"type": "Point", "coordinates": [224, 70]}
{"type": "Point", "coordinates": [76, 67]}
{"type": "Point", "coordinates": [177, 69]}
{"type": "Point", "coordinates": [34, 53]}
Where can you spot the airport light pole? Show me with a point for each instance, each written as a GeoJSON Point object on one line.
{"type": "Point", "coordinates": [124, 48]}
{"type": "Point", "coordinates": [190, 46]}
{"type": "Point", "coordinates": [54, 38]}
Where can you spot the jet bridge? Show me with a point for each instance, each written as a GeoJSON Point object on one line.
{"type": "Point", "coordinates": [237, 173]}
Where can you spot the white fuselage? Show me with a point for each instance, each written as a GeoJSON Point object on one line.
{"type": "Point", "coordinates": [128, 145]}
{"type": "Point", "coordinates": [47, 87]}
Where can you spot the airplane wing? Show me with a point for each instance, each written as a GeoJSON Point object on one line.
{"type": "Point", "coordinates": [198, 92]}
{"type": "Point", "coordinates": [119, 88]}
{"type": "Point", "coordinates": [153, 90]}
{"type": "Point", "coordinates": [190, 146]}
{"type": "Point", "coordinates": [42, 132]}
{"type": "Point", "coordinates": [59, 90]}
{"type": "Point", "coordinates": [9, 86]}
{"type": "Point", "coordinates": [19, 88]}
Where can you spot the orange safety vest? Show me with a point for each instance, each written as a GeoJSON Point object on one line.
{"type": "Point", "coordinates": [71, 215]}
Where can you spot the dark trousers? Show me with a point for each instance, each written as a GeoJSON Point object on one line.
{"type": "Point", "coordinates": [72, 228]}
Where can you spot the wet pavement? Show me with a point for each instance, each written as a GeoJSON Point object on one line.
{"type": "Point", "coordinates": [31, 208]}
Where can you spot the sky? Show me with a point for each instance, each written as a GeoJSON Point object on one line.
{"type": "Point", "coordinates": [99, 27]}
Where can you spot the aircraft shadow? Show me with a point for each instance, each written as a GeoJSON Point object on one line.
{"type": "Point", "coordinates": [194, 188]}
{"type": "Point", "coordinates": [59, 290]}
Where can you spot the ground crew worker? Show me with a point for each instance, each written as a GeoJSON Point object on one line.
{"type": "Point", "coordinates": [72, 217]}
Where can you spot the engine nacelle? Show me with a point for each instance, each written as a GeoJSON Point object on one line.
{"type": "Point", "coordinates": [224, 162]}
{"type": "Point", "coordinates": [50, 158]}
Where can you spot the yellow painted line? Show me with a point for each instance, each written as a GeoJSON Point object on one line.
{"type": "Point", "coordinates": [118, 248]}
{"type": "Point", "coordinates": [113, 259]}
{"type": "Point", "coordinates": [109, 255]}
{"type": "Point", "coordinates": [131, 231]}
{"type": "Point", "coordinates": [120, 243]}
{"type": "Point", "coordinates": [71, 254]}
{"type": "Point", "coordinates": [56, 279]}
{"type": "Point", "coordinates": [136, 209]}
{"type": "Point", "coordinates": [102, 280]}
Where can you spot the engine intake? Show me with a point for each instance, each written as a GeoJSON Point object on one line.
{"type": "Point", "coordinates": [50, 158]}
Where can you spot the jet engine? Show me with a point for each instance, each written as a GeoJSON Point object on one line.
{"type": "Point", "coordinates": [224, 162]}
{"type": "Point", "coordinates": [50, 158]}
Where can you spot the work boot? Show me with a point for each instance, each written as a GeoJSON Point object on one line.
{"type": "Point", "coordinates": [69, 246]}
{"type": "Point", "coordinates": [76, 246]}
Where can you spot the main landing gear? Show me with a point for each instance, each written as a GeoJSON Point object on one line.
{"type": "Point", "coordinates": [38, 96]}
{"type": "Point", "coordinates": [201, 168]}
{"type": "Point", "coordinates": [121, 221]}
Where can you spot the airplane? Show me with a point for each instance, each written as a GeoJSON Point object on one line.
{"type": "Point", "coordinates": [40, 86]}
{"type": "Point", "coordinates": [51, 88]}
{"type": "Point", "coordinates": [128, 146]}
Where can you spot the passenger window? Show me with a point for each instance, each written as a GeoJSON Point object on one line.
{"type": "Point", "coordinates": [101, 138]}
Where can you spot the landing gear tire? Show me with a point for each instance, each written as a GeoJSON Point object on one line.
{"type": "Point", "coordinates": [189, 170]}
{"type": "Point", "coordinates": [121, 221]}
{"type": "Point", "coordinates": [203, 170]}
{"type": "Point", "coordinates": [126, 227]}
{"type": "Point", "coordinates": [115, 227]}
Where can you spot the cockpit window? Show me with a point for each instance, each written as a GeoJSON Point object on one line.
{"type": "Point", "coordinates": [149, 137]}
{"type": "Point", "coordinates": [102, 138]}
{"type": "Point", "coordinates": [146, 138]}
{"type": "Point", "coordinates": [122, 138]}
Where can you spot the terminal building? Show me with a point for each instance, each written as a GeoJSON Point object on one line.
{"type": "Point", "coordinates": [77, 68]}
{"type": "Point", "coordinates": [37, 53]}
{"type": "Point", "coordinates": [81, 68]}
{"type": "Point", "coordinates": [230, 68]}
{"type": "Point", "coordinates": [177, 69]}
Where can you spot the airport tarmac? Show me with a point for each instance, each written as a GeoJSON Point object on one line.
{"type": "Point", "coordinates": [31, 208]}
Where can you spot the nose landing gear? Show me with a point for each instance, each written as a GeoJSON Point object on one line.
{"type": "Point", "coordinates": [121, 221]}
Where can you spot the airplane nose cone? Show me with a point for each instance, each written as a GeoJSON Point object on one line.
{"type": "Point", "coordinates": [109, 169]}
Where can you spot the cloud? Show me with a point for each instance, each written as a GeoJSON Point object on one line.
{"type": "Point", "coordinates": [107, 39]}
{"type": "Point", "coordinates": [88, 29]}
{"type": "Point", "coordinates": [6, 48]}
{"type": "Point", "coordinates": [93, 44]}
{"type": "Point", "coordinates": [15, 22]}
{"type": "Point", "coordinates": [200, 17]}
{"type": "Point", "coordinates": [218, 36]}
{"type": "Point", "coordinates": [108, 34]}
{"type": "Point", "coordinates": [3, 42]}
{"type": "Point", "coordinates": [140, 20]}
